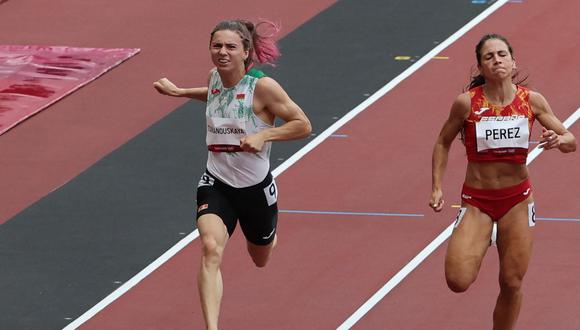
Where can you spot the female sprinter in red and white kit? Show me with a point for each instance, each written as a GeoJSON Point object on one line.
{"type": "Point", "coordinates": [495, 120]}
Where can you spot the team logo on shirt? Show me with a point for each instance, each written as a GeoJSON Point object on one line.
{"type": "Point", "coordinates": [503, 118]}
{"type": "Point", "coordinates": [215, 91]}
{"type": "Point", "coordinates": [240, 96]}
{"type": "Point", "coordinates": [480, 111]}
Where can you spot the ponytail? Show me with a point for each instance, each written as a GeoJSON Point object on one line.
{"type": "Point", "coordinates": [265, 49]}
{"type": "Point", "coordinates": [476, 80]}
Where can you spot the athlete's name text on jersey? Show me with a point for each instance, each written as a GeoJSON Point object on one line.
{"type": "Point", "coordinates": [225, 130]}
{"type": "Point", "coordinates": [503, 133]}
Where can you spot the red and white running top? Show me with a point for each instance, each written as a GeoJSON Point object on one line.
{"type": "Point", "coordinates": [495, 133]}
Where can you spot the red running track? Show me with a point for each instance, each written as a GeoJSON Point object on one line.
{"type": "Point", "coordinates": [327, 266]}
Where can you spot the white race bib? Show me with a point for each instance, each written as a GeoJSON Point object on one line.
{"type": "Point", "coordinates": [531, 215]}
{"type": "Point", "coordinates": [502, 132]}
{"type": "Point", "coordinates": [271, 193]}
{"type": "Point", "coordinates": [225, 131]}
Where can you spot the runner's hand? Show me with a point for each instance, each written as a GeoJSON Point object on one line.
{"type": "Point", "coordinates": [166, 87]}
{"type": "Point", "coordinates": [549, 139]}
{"type": "Point", "coordinates": [252, 143]}
{"type": "Point", "coordinates": [436, 202]}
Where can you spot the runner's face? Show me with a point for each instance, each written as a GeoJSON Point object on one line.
{"type": "Point", "coordinates": [496, 61]}
{"type": "Point", "coordinates": [227, 50]}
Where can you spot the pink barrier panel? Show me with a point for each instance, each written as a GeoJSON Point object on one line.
{"type": "Point", "coordinates": [34, 77]}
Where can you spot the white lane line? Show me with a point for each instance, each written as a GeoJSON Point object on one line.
{"type": "Point", "coordinates": [572, 119]}
{"type": "Point", "coordinates": [408, 268]}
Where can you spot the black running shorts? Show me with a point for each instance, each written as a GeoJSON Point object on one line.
{"type": "Point", "coordinates": [255, 207]}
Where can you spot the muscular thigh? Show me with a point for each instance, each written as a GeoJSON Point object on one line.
{"type": "Point", "coordinates": [258, 212]}
{"type": "Point", "coordinates": [515, 238]}
{"type": "Point", "coordinates": [470, 238]}
{"type": "Point", "coordinates": [213, 199]}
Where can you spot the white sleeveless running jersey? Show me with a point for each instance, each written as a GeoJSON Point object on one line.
{"type": "Point", "coordinates": [230, 116]}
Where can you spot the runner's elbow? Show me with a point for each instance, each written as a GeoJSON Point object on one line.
{"type": "Point", "coordinates": [304, 129]}
{"type": "Point", "coordinates": [570, 146]}
{"type": "Point", "coordinates": [307, 127]}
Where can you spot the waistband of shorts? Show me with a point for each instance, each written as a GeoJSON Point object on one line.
{"type": "Point", "coordinates": [498, 193]}
{"type": "Point", "coordinates": [267, 180]}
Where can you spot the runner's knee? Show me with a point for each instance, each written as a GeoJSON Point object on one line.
{"type": "Point", "coordinates": [261, 254]}
{"type": "Point", "coordinates": [260, 261]}
{"type": "Point", "coordinates": [510, 284]}
{"type": "Point", "coordinates": [211, 250]}
{"type": "Point", "coordinates": [458, 284]}
{"type": "Point", "coordinates": [459, 281]}
{"type": "Point", "coordinates": [260, 257]}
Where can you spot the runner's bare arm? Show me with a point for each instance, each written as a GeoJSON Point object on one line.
{"type": "Point", "coordinates": [459, 112]}
{"type": "Point", "coordinates": [275, 102]}
{"type": "Point", "coordinates": [554, 134]}
{"type": "Point", "coordinates": [166, 87]}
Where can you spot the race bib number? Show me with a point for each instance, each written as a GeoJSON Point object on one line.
{"type": "Point", "coordinates": [531, 215]}
{"type": "Point", "coordinates": [205, 180]}
{"type": "Point", "coordinates": [225, 131]}
{"type": "Point", "coordinates": [502, 132]}
{"type": "Point", "coordinates": [271, 193]}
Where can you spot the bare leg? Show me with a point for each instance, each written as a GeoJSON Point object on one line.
{"type": "Point", "coordinates": [214, 237]}
{"type": "Point", "coordinates": [515, 249]}
{"type": "Point", "coordinates": [466, 249]}
{"type": "Point", "coordinates": [261, 253]}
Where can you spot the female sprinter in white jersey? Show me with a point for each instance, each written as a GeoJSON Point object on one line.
{"type": "Point", "coordinates": [237, 185]}
{"type": "Point", "coordinates": [495, 118]}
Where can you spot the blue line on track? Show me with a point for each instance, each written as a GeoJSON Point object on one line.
{"type": "Point", "coordinates": [559, 219]}
{"type": "Point", "coordinates": [372, 214]}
